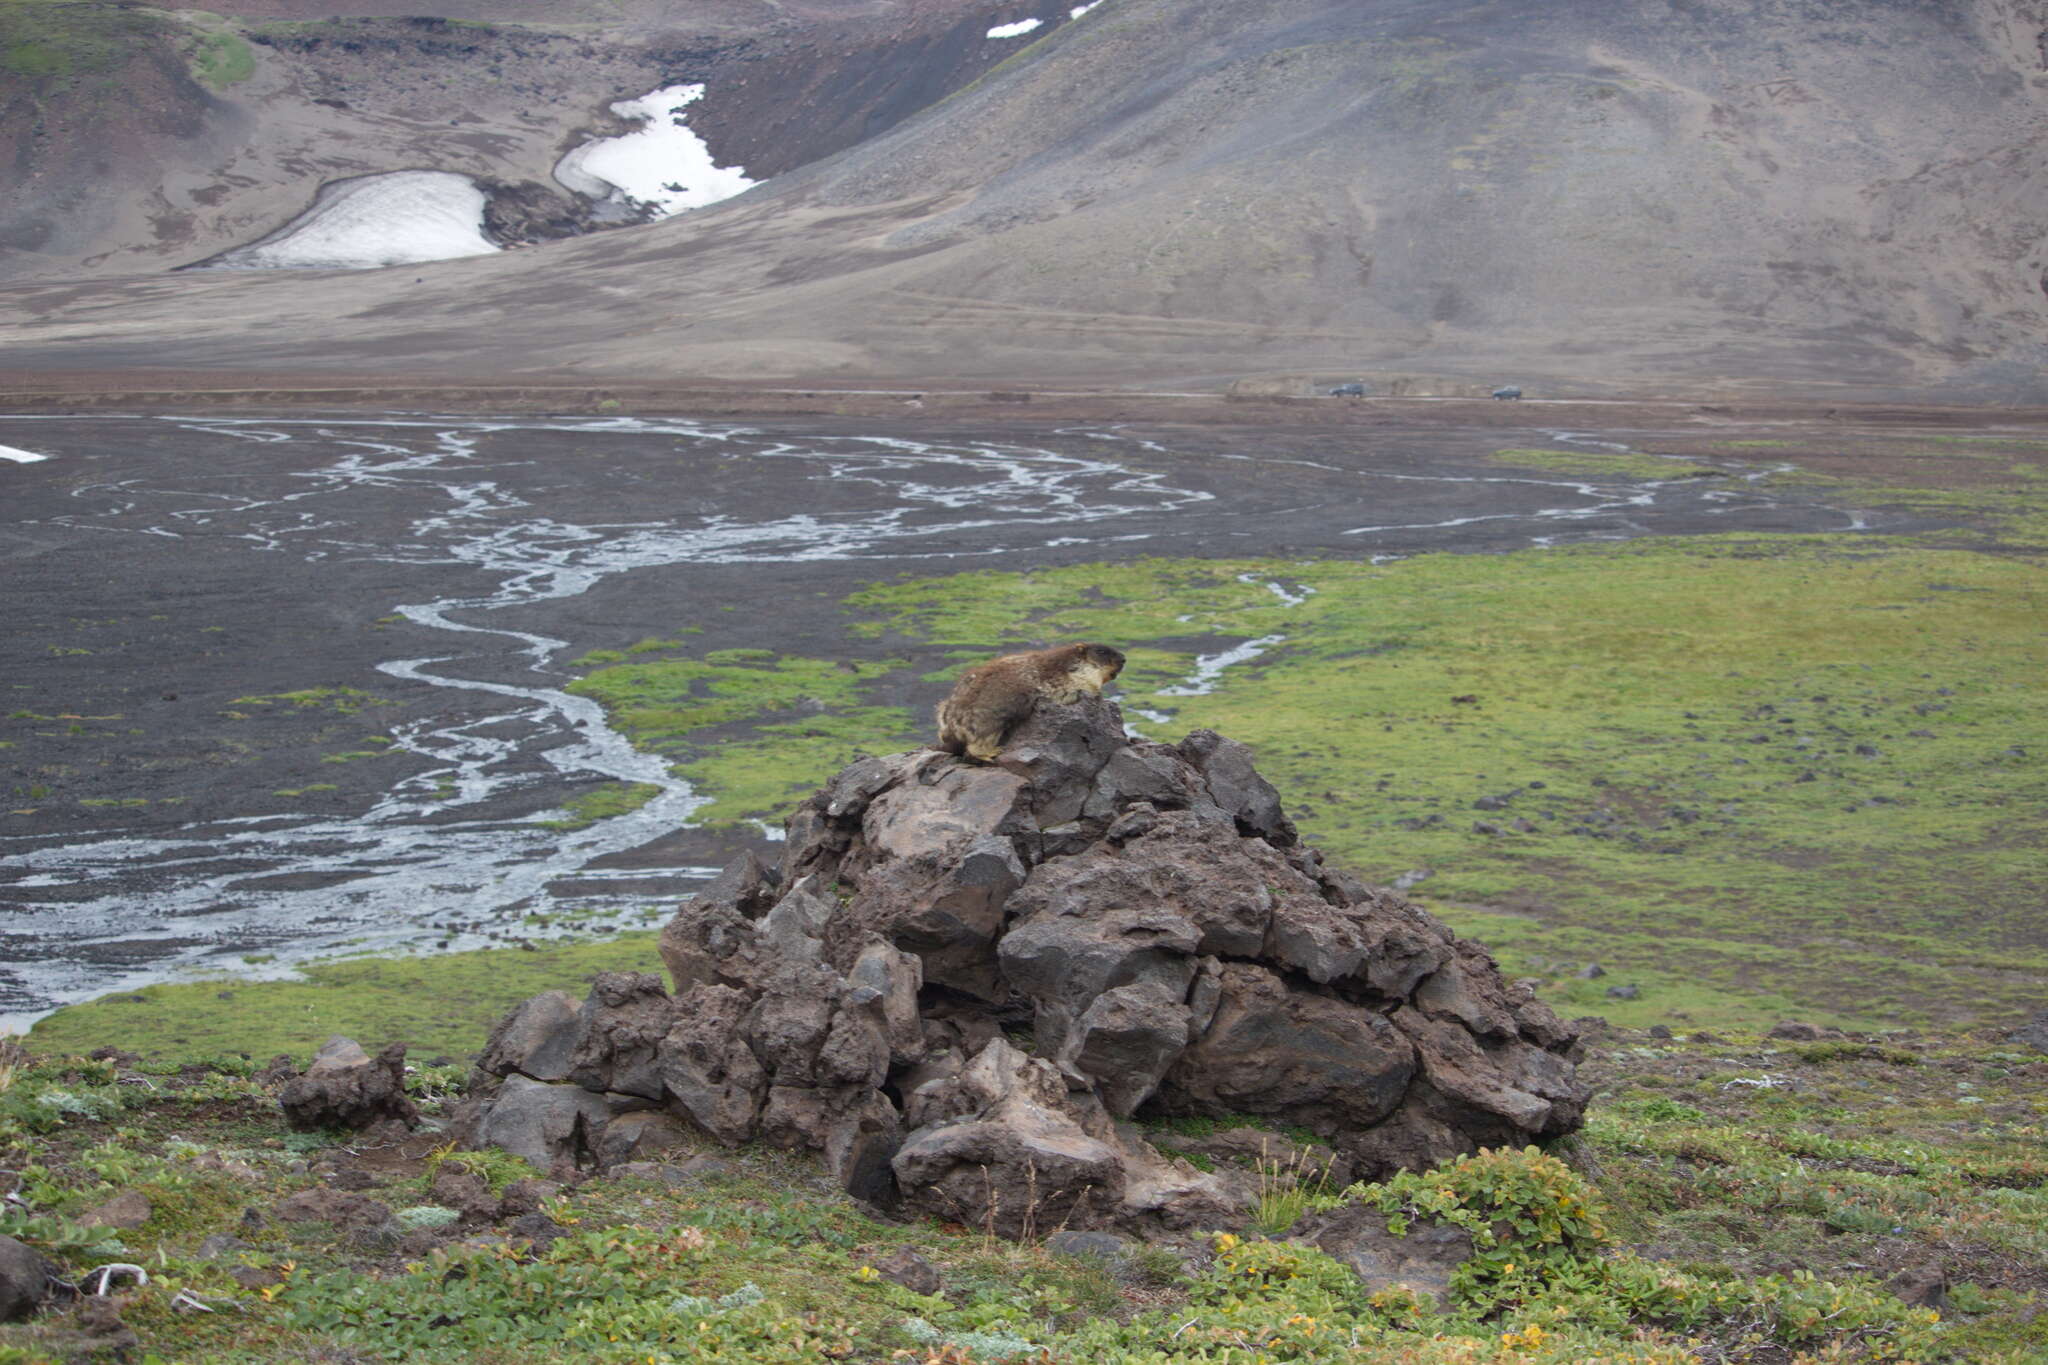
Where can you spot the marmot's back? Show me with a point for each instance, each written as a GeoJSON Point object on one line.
{"type": "Point", "coordinates": [994, 698]}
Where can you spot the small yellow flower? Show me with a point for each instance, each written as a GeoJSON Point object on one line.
{"type": "Point", "coordinates": [867, 1273]}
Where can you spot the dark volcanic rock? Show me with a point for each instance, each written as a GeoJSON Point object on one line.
{"type": "Point", "coordinates": [1421, 1259]}
{"type": "Point", "coordinates": [2033, 1033]}
{"type": "Point", "coordinates": [525, 212]}
{"type": "Point", "coordinates": [1147, 911]}
{"type": "Point", "coordinates": [538, 1039]}
{"type": "Point", "coordinates": [347, 1088]}
{"type": "Point", "coordinates": [24, 1280]}
{"type": "Point", "coordinates": [912, 1271]}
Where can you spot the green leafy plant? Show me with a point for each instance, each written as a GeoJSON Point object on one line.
{"type": "Point", "coordinates": [1288, 1188]}
{"type": "Point", "coordinates": [495, 1166]}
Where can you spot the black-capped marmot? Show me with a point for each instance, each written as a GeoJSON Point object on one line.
{"type": "Point", "coordinates": [992, 699]}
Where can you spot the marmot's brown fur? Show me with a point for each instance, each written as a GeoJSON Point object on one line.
{"type": "Point", "coordinates": [992, 699]}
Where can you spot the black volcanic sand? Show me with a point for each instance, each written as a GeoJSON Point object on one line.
{"type": "Point", "coordinates": [172, 580]}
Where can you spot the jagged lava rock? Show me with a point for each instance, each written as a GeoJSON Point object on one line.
{"type": "Point", "coordinates": [1146, 911]}
{"type": "Point", "coordinates": [345, 1087]}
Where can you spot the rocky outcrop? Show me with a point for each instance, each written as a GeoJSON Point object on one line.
{"type": "Point", "coordinates": [345, 1087]}
{"type": "Point", "coordinates": [963, 983]}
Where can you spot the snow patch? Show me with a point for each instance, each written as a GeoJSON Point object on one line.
{"type": "Point", "coordinates": [20, 456]}
{"type": "Point", "coordinates": [1016, 30]}
{"type": "Point", "coordinates": [663, 167]}
{"type": "Point", "coordinates": [398, 218]}
{"type": "Point", "coordinates": [1079, 10]}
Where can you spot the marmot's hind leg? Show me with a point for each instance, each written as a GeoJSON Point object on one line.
{"type": "Point", "coordinates": [983, 745]}
{"type": "Point", "coordinates": [973, 731]}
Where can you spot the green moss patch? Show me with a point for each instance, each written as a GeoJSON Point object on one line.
{"type": "Point", "coordinates": [220, 60]}
{"type": "Point", "coordinates": [752, 728]}
{"type": "Point", "coordinates": [1603, 464]}
{"type": "Point", "coordinates": [344, 701]}
{"type": "Point", "coordinates": [1797, 767]}
{"type": "Point", "coordinates": [443, 1005]}
{"type": "Point", "coordinates": [604, 802]}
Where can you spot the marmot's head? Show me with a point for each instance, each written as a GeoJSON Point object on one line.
{"type": "Point", "coordinates": [1109, 662]}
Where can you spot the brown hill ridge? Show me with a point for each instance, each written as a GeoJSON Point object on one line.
{"type": "Point", "coordinates": [1822, 197]}
{"type": "Point", "coordinates": [1143, 911]}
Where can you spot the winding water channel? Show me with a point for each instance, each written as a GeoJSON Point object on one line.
{"type": "Point", "coordinates": [496, 550]}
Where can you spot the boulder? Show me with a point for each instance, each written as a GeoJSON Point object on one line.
{"type": "Point", "coordinates": [1420, 1260]}
{"type": "Point", "coordinates": [1058, 752]}
{"type": "Point", "coordinates": [1125, 1041]}
{"type": "Point", "coordinates": [1236, 787]}
{"type": "Point", "coordinates": [2033, 1033]}
{"type": "Point", "coordinates": [941, 817]}
{"type": "Point", "coordinates": [1145, 914]}
{"type": "Point", "coordinates": [543, 1123]}
{"type": "Point", "coordinates": [947, 910]}
{"type": "Point", "coordinates": [1016, 1166]}
{"type": "Point", "coordinates": [347, 1088]}
{"type": "Point", "coordinates": [1307, 1059]}
{"type": "Point", "coordinates": [1922, 1286]}
{"type": "Point", "coordinates": [1108, 1247]}
{"type": "Point", "coordinates": [708, 1070]}
{"type": "Point", "coordinates": [905, 1267]}
{"type": "Point", "coordinates": [619, 1032]}
{"type": "Point", "coordinates": [642, 1136]}
{"type": "Point", "coordinates": [538, 1039]}
{"type": "Point", "coordinates": [24, 1280]}
{"type": "Point", "coordinates": [1069, 963]}
{"type": "Point", "coordinates": [1497, 1092]}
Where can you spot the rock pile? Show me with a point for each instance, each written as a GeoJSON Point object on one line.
{"type": "Point", "coordinates": [964, 981]}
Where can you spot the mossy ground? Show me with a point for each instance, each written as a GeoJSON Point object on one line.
{"type": "Point", "coordinates": [438, 1006]}
{"type": "Point", "coordinates": [1605, 464]}
{"type": "Point", "coordinates": [752, 728]}
{"type": "Point", "coordinates": [1747, 774]}
{"type": "Point", "coordinates": [1754, 1197]}
{"type": "Point", "coordinates": [51, 44]}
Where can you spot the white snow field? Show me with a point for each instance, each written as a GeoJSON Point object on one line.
{"type": "Point", "coordinates": [663, 165]}
{"type": "Point", "coordinates": [398, 218]}
{"type": "Point", "coordinates": [20, 456]}
{"type": "Point", "coordinates": [1016, 30]}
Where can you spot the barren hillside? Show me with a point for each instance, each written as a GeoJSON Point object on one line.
{"type": "Point", "coordinates": [1835, 197]}
{"type": "Point", "coordinates": [139, 140]}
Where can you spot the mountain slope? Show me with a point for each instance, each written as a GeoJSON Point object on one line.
{"type": "Point", "coordinates": [1815, 196]}
{"type": "Point", "coordinates": [141, 140]}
